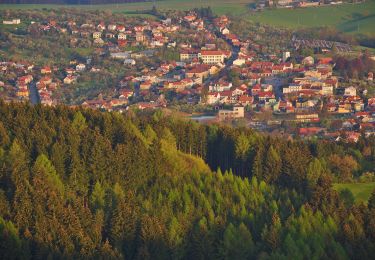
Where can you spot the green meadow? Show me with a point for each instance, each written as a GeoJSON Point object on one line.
{"type": "Point", "coordinates": [361, 191]}
{"type": "Point", "coordinates": [349, 18]}
{"type": "Point", "coordinates": [233, 7]}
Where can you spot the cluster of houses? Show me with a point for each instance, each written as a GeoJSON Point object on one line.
{"type": "Point", "coordinates": [297, 92]}
{"type": "Point", "coordinates": [147, 33]}
{"type": "Point", "coordinates": [19, 78]}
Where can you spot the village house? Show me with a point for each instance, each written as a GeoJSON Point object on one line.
{"type": "Point", "coordinates": [121, 28]}
{"type": "Point", "coordinates": [125, 94]}
{"type": "Point", "coordinates": [101, 26]}
{"type": "Point", "coordinates": [70, 79]}
{"type": "Point", "coordinates": [129, 62]}
{"type": "Point", "coordinates": [121, 36]}
{"type": "Point", "coordinates": [46, 70]}
{"type": "Point", "coordinates": [146, 85]}
{"type": "Point", "coordinates": [80, 67]}
{"type": "Point", "coordinates": [99, 41]}
{"type": "Point", "coordinates": [213, 98]}
{"type": "Point", "coordinates": [198, 71]}
{"type": "Point", "coordinates": [220, 86]}
{"type": "Point", "coordinates": [245, 100]}
{"type": "Point", "coordinates": [350, 91]}
{"type": "Point", "coordinates": [96, 35]}
{"type": "Point", "coordinates": [225, 31]}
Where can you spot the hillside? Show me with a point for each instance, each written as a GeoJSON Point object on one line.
{"type": "Point", "coordinates": [69, 2]}
{"type": "Point", "coordinates": [84, 184]}
{"type": "Point", "coordinates": [233, 7]}
{"type": "Point", "coordinates": [348, 18]}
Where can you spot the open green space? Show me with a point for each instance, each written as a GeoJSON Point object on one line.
{"type": "Point", "coordinates": [349, 18]}
{"type": "Point", "coordinates": [233, 7]}
{"type": "Point", "coordinates": [361, 191]}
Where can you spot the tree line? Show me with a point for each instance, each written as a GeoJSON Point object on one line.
{"type": "Point", "coordinates": [77, 183]}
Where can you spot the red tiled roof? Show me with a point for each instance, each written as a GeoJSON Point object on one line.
{"type": "Point", "coordinates": [209, 52]}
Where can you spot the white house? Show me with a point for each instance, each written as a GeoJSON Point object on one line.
{"type": "Point", "coordinates": [80, 67]}
{"type": "Point", "coordinates": [225, 31]}
{"type": "Point", "coordinates": [129, 62]}
{"type": "Point", "coordinates": [121, 36]}
{"type": "Point", "coordinates": [97, 35]}
{"type": "Point", "coordinates": [239, 62]}
{"type": "Point", "coordinates": [350, 91]}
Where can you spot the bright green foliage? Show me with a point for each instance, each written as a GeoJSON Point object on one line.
{"type": "Point", "coordinates": [272, 165]}
{"type": "Point", "coordinates": [97, 196]}
{"type": "Point", "coordinates": [314, 170]}
{"type": "Point", "coordinates": [242, 146]}
{"type": "Point", "coordinates": [79, 122]}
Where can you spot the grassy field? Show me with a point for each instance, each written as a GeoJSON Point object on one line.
{"type": "Point", "coordinates": [349, 18]}
{"type": "Point", "coordinates": [361, 191]}
{"type": "Point", "coordinates": [233, 7]}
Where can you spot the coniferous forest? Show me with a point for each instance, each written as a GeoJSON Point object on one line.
{"type": "Point", "coordinates": [78, 184]}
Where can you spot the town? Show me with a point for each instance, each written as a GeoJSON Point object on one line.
{"type": "Point", "coordinates": [193, 63]}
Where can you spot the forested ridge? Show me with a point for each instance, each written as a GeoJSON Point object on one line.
{"type": "Point", "coordinates": [78, 183]}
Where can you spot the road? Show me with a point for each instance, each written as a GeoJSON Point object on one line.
{"type": "Point", "coordinates": [228, 63]}
{"type": "Point", "coordinates": [33, 94]}
{"type": "Point", "coordinates": [277, 84]}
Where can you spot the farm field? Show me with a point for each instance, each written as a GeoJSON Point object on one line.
{"type": "Point", "coordinates": [348, 18]}
{"type": "Point", "coordinates": [231, 7]}
{"type": "Point", "coordinates": [361, 191]}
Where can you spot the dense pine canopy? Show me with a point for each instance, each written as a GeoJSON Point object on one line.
{"type": "Point", "coordinates": [78, 183]}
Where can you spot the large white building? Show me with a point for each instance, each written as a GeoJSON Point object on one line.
{"type": "Point", "coordinates": [237, 112]}
{"type": "Point", "coordinates": [292, 88]}
{"type": "Point", "coordinates": [211, 57]}
{"type": "Point", "coordinates": [14, 21]}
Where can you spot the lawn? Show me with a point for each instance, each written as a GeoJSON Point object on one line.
{"type": "Point", "coordinates": [349, 18]}
{"type": "Point", "coordinates": [361, 191]}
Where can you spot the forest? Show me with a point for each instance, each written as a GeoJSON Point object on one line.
{"type": "Point", "coordinates": [78, 183]}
